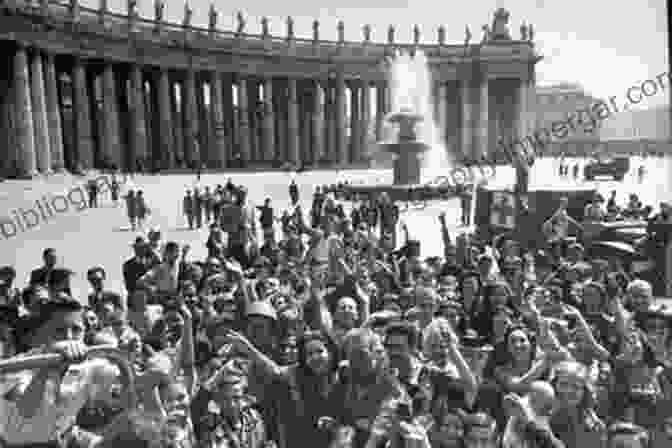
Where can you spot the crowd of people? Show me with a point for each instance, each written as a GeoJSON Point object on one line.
{"type": "Point", "coordinates": [334, 334]}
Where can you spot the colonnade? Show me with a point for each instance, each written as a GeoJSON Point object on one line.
{"type": "Point", "coordinates": [64, 112]}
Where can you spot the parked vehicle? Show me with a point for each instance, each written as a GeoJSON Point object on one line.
{"type": "Point", "coordinates": [606, 166]}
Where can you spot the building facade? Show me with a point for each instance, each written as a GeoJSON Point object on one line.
{"type": "Point", "coordinates": [87, 88]}
{"type": "Point", "coordinates": [555, 103]}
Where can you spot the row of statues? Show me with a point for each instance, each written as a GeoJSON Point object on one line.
{"type": "Point", "coordinates": [497, 32]}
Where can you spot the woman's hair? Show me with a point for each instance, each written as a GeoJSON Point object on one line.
{"type": "Point", "coordinates": [328, 342]}
{"type": "Point", "coordinates": [502, 356]}
{"type": "Point", "coordinates": [435, 330]}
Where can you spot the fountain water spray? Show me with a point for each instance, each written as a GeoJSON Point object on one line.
{"type": "Point", "coordinates": [410, 84]}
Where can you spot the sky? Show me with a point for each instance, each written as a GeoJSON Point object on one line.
{"type": "Point", "coordinates": [604, 45]}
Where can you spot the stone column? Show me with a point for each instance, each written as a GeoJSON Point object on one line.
{"type": "Point", "coordinates": [166, 121]}
{"type": "Point", "coordinates": [190, 111]}
{"type": "Point", "coordinates": [341, 115]}
{"type": "Point", "coordinates": [281, 108]}
{"type": "Point", "coordinates": [138, 119]}
{"type": "Point", "coordinates": [244, 121]}
{"type": "Point", "coordinates": [7, 153]}
{"type": "Point", "coordinates": [293, 123]}
{"type": "Point", "coordinates": [54, 116]}
{"type": "Point", "coordinates": [268, 131]}
{"type": "Point", "coordinates": [465, 127]}
{"type": "Point", "coordinates": [81, 106]}
{"type": "Point", "coordinates": [442, 116]}
{"type": "Point", "coordinates": [388, 98]}
{"type": "Point", "coordinates": [380, 110]}
{"type": "Point", "coordinates": [112, 141]}
{"type": "Point", "coordinates": [355, 141]}
{"type": "Point", "coordinates": [520, 129]}
{"type": "Point", "coordinates": [520, 116]}
{"type": "Point", "coordinates": [305, 123]}
{"type": "Point", "coordinates": [482, 120]}
{"type": "Point", "coordinates": [203, 121]}
{"type": "Point", "coordinates": [39, 103]}
{"type": "Point", "coordinates": [217, 105]}
{"type": "Point", "coordinates": [365, 121]}
{"type": "Point", "coordinates": [330, 118]}
{"type": "Point", "coordinates": [318, 123]}
{"type": "Point", "coordinates": [254, 122]}
{"type": "Point", "coordinates": [25, 130]}
{"type": "Point", "coordinates": [178, 120]}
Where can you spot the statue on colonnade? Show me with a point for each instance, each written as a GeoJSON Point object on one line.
{"type": "Point", "coordinates": [188, 13]}
{"type": "Point", "coordinates": [241, 23]}
{"type": "Point", "coordinates": [212, 18]}
{"type": "Point", "coordinates": [159, 6]}
{"type": "Point", "coordinates": [366, 29]}
{"type": "Point", "coordinates": [290, 28]}
{"type": "Point", "coordinates": [316, 30]}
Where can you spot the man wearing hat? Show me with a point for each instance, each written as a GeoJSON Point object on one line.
{"type": "Point", "coordinates": [55, 279]}
{"type": "Point", "coordinates": [162, 280]}
{"type": "Point", "coordinates": [137, 266]}
{"type": "Point", "coordinates": [188, 208]}
{"type": "Point", "coordinates": [99, 297]}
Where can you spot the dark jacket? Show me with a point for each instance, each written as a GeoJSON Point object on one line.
{"type": "Point", "coordinates": [133, 269]}
{"type": "Point", "coordinates": [51, 279]}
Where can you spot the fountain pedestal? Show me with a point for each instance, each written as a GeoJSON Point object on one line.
{"type": "Point", "coordinates": [408, 150]}
{"type": "Point", "coordinates": [407, 161]}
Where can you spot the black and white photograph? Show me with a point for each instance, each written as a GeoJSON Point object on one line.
{"type": "Point", "coordinates": [329, 224]}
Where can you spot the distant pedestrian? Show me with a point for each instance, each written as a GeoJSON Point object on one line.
{"type": "Point", "coordinates": [198, 208]}
{"type": "Point", "coordinates": [142, 210]}
{"type": "Point", "coordinates": [294, 192]}
{"type": "Point", "coordinates": [92, 190]}
{"type": "Point", "coordinates": [131, 208]}
{"type": "Point", "coordinates": [208, 204]}
{"type": "Point", "coordinates": [188, 209]}
{"type": "Point", "coordinates": [114, 191]}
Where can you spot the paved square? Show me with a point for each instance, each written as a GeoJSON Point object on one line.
{"type": "Point", "coordinates": [102, 236]}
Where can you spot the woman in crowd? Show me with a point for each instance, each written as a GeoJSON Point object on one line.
{"type": "Point", "coordinates": [348, 341]}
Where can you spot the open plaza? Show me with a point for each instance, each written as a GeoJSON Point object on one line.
{"type": "Point", "coordinates": [220, 238]}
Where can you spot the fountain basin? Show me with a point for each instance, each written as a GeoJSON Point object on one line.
{"type": "Point", "coordinates": [397, 193]}
{"type": "Point", "coordinates": [407, 162]}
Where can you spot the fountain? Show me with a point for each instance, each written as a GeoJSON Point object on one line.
{"type": "Point", "coordinates": [410, 134]}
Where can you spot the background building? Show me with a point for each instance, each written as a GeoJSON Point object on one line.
{"type": "Point", "coordinates": [557, 102]}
